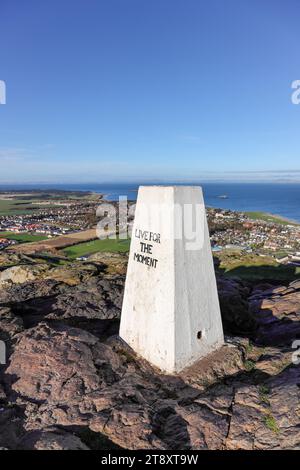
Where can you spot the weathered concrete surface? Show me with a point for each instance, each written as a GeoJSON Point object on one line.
{"type": "Point", "coordinates": [171, 313]}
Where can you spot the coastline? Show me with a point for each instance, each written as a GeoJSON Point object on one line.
{"type": "Point", "coordinates": [264, 216]}
{"type": "Point", "coordinates": [280, 202]}
{"type": "Point", "coordinates": [274, 200]}
{"type": "Point", "coordinates": [284, 219]}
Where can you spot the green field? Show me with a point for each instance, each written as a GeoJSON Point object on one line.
{"type": "Point", "coordinates": [265, 273]}
{"type": "Point", "coordinates": [269, 218]}
{"type": "Point", "coordinates": [27, 202]}
{"type": "Point", "coordinates": [20, 207]}
{"type": "Point", "coordinates": [14, 207]}
{"type": "Point", "coordinates": [26, 205]}
{"type": "Point", "coordinates": [22, 237]}
{"type": "Point", "coordinates": [89, 248]}
{"type": "Point", "coordinates": [252, 267]}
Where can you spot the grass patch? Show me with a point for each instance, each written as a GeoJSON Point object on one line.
{"type": "Point", "coordinates": [20, 207]}
{"type": "Point", "coordinates": [22, 237]}
{"type": "Point", "coordinates": [249, 348]}
{"type": "Point", "coordinates": [264, 391]}
{"type": "Point", "coordinates": [249, 365]}
{"type": "Point", "coordinates": [95, 246]}
{"type": "Point", "coordinates": [28, 202]}
{"type": "Point", "coordinates": [258, 273]}
{"type": "Point", "coordinates": [14, 206]}
{"type": "Point", "coordinates": [129, 357]}
{"type": "Point", "coordinates": [253, 267]}
{"type": "Point", "coordinates": [269, 218]}
{"type": "Point", "coordinates": [271, 424]}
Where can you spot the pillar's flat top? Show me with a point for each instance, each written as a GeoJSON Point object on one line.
{"type": "Point", "coordinates": [170, 186]}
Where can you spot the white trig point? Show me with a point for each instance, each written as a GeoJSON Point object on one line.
{"type": "Point", "coordinates": [2, 92]}
{"type": "Point", "coordinates": [171, 314]}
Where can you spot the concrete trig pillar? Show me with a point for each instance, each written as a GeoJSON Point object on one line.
{"type": "Point", "coordinates": [171, 314]}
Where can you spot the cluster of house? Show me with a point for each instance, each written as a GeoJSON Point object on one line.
{"type": "Point", "coordinates": [49, 222]}
{"type": "Point", "coordinates": [229, 229]}
{"type": "Point", "coordinates": [39, 229]}
{"type": "Point", "coordinates": [236, 232]}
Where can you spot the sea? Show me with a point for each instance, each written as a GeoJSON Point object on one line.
{"type": "Point", "coordinates": [279, 199]}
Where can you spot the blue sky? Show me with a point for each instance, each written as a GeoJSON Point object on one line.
{"type": "Point", "coordinates": [127, 90]}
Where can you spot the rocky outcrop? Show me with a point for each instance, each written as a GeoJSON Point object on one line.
{"type": "Point", "coordinates": [66, 377]}
{"type": "Point", "coordinates": [233, 297]}
{"type": "Point", "coordinates": [10, 324]}
{"type": "Point", "coordinates": [277, 312]}
{"type": "Point", "coordinates": [94, 305]}
{"type": "Point", "coordinates": [267, 416]}
{"type": "Point", "coordinates": [70, 274]}
{"type": "Point", "coordinates": [112, 263]}
{"type": "Point", "coordinates": [55, 439]}
{"type": "Point", "coordinates": [16, 294]}
{"type": "Point", "coordinates": [8, 259]}
{"type": "Point", "coordinates": [11, 426]}
{"type": "Point", "coordinates": [20, 274]}
{"type": "Point", "coordinates": [71, 383]}
{"type": "Point", "coordinates": [98, 298]}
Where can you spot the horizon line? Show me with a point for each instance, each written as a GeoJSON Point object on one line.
{"type": "Point", "coordinates": [150, 181]}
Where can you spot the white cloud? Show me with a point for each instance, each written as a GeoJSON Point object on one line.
{"type": "Point", "coordinates": [12, 154]}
